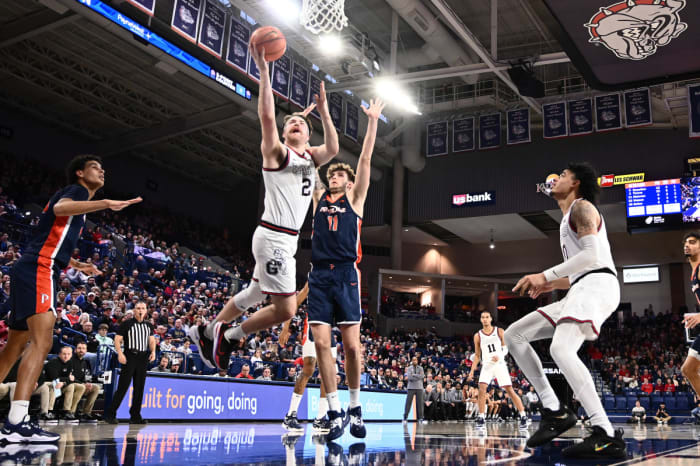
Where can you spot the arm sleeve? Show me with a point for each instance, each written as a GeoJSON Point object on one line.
{"type": "Point", "coordinates": [587, 256]}
{"type": "Point", "coordinates": [504, 350]}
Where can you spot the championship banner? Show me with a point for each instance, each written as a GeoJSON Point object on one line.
{"type": "Point", "coordinates": [694, 110]}
{"type": "Point", "coordinates": [638, 108]}
{"type": "Point", "coordinates": [490, 131]}
{"type": "Point", "coordinates": [253, 70]}
{"type": "Point", "coordinates": [314, 89]}
{"type": "Point", "coordinates": [237, 55]}
{"type": "Point", "coordinates": [352, 117]}
{"type": "Point", "coordinates": [281, 70]}
{"type": "Point", "coordinates": [518, 123]}
{"type": "Point", "coordinates": [580, 117]}
{"type": "Point", "coordinates": [554, 120]}
{"type": "Point", "coordinates": [185, 18]}
{"type": "Point", "coordinates": [147, 6]}
{"type": "Point", "coordinates": [436, 139]}
{"type": "Point", "coordinates": [211, 34]}
{"type": "Point", "coordinates": [300, 85]}
{"type": "Point", "coordinates": [608, 112]}
{"type": "Point", "coordinates": [335, 107]}
{"type": "Point", "coordinates": [463, 134]}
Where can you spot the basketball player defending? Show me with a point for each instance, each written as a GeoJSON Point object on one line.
{"type": "Point", "coordinates": [34, 283]}
{"type": "Point", "coordinates": [289, 175]}
{"type": "Point", "coordinates": [491, 350]}
{"type": "Point", "coordinates": [334, 280]}
{"type": "Point", "coordinates": [691, 366]}
{"type": "Point", "coordinates": [291, 423]}
{"type": "Point", "coordinates": [588, 272]}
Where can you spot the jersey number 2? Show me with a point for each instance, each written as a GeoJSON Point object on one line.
{"type": "Point", "coordinates": [332, 223]}
{"type": "Point", "coordinates": [492, 348]}
{"type": "Point", "coordinates": [306, 187]}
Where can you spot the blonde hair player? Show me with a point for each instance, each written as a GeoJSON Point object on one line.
{"type": "Point", "coordinates": [289, 175]}
{"type": "Point", "coordinates": [588, 272]}
{"type": "Point", "coordinates": [491, 350]}
{"type": "Point", "coordinates": [334, 280]}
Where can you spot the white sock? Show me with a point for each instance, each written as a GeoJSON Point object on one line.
{"type": "Point", "coordinates": [322, 408]}
{"type": "Point", "coordinates": [522, 413]}
{"type": "Point", "coordinates": [234, 333]}
{"type": "Point", "coordinates": [18, 410]}
{"type": "Point", "coordinates": [354, 397]}
{"type": "Point", "coordinates": [294, 404]}
{"type": "Point", "coordinates": [482, 416]}
{"type": "Point", "coordinates": [333, 402]}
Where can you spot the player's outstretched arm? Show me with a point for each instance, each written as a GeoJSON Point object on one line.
{"type": "Point", "coordinates": [364, 165]}
{"type": "Point", "coordinates": [319, 190]}
{"type": "Point", "coordinates": [67, 207]}
{"type": "Point", "coordinates": [271, 147]}
{"type": "Point", "coordinates": [324, 153]}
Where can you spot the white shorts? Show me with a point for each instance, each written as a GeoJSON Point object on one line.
{"type": "Point", "coordinates": [308, 350]}
{"type": "Point", "coordinates": [498, 371]}
{"type": "Point", "coordinates": [275, 265]}
{"type": "Point", "coordinates": [590, 302]}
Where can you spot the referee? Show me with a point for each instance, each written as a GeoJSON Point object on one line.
{"type": "Point", "coordinates": [139, 349]}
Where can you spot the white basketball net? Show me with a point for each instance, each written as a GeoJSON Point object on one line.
{"type": "Point", "coordinates": [323, 16]}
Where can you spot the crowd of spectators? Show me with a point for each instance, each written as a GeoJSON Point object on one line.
{"type": "Point", "coordinates": [396, 304]}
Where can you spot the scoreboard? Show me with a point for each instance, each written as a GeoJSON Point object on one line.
{"type": "Point", "coordinates": [654, 205]}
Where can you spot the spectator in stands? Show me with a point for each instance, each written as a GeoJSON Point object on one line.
{"type": "Point", "coordinates": [662, 416]}
{"type": "Point", "coordinates": [175, 366]}
{"type": "Point", "coordinates": [167, 344]}
{"type": "Point", "coordinates": [647, 387]}
{"type": "Point", "coordinates": [291, 374]}
{"type": "Point", "coordinates": [162, 365]}
{"type": "Point", "coordinates": [620, 385]}
{"type": "Point", "coordinates": [43, 388]}
{"type": "Point", "coordinates": [83, 377]}
{"type": "Point", "coordinates": [73, 313]}
{"type": "Point", "coordinates": [102, 338]}
{"type": "Point", "coordinates": [659, 387]}
{"type": "Point", "coordinates": [245, 373]}
{"type": "Point", "coordinates": [670, 387]}
{"type": "Point", "coordinates": [266, 375]}
{"type": "Point", "coordinates": [61, 369]}
{"type": "Point", "coordinates": [639, 414]}
{"type": "Point", "coordinates": [221, 373]}
{"type": "Point", "coordinates": [430, 402]}
{"type": "Point", "coordinates": [177, 332]}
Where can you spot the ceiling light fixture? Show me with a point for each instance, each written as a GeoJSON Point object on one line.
{"type": "Point", "coordinates": [492, 243]}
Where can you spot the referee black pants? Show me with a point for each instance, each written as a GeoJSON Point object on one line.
{"type": "Point", "coordinates": [135, 369]}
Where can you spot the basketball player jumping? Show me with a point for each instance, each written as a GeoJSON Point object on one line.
{"type": "Point", "coordinates": [691, 366]}
{"type": "Point", "coordinates": [34, 281]}
{"type": "Point", "coordinates": [291, 423]}
{"type": "Point", "coordinates": [289, 175]}
{"type": "Point", "coordinates": [491, 350]}
{"type": "Point", "coordinates": [588, 272]}
{"type": "Point", "coordinates": [334, 280]}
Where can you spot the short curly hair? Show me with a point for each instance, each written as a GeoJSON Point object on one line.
{"type": "Point", "coordinates": [340, 166]}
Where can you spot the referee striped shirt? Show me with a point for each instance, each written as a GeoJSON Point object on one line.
{"type": "Point", "coordinates": [135, 335]}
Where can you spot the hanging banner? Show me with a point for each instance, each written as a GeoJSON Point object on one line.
{"type": "Point", "coordinates": [211, 34]}
{"type": "Point", "coordinates": [638, 108]}
{"type": "Point", "coordinates": [253, 70]}
{"type": "Point", "coordinates": [608, 112]}
{"type": "Point", "coordinates": [463, 134]}
{"type": "Point", "coordinates": [580, 117]}
{"type": "Point", "coordinates": [335, 107]}
{"type": "Point", "coordinates": [281, 69]}
{"type": "Point", "coordinates": [300, 85]}
{"type": "Point", "coordinates": [518, 123]}
{"type": "Point", "coordinates": [352, 118]}
{"type": "Point", "coordinates": [186, 18]}
{"type": "Point", "coordinates": [489, 131]}
{"type": "Point", "coordinates": [237, 54]}
{"type": "Point", "coordinates": [554, 120]}
{"type": "Point", "coordinates": [147, 6]}
{"type": "Point", "coordinates": [694, 110]}
{"type": "Point", "coordinates": [314, 89]}
{"type": "Point", "coordinates": [436, 139]}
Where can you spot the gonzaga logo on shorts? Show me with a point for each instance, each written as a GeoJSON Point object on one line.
{"type": "Point", "coordinates": [634, 29]}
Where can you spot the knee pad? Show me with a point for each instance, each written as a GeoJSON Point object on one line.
{"type": "Point", "coordinates": [249, 297]}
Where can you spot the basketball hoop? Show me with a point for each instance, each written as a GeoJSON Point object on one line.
{"type": "Point", "coordinates": [323, 15]}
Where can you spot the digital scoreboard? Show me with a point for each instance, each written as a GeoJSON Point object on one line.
{"type": "Point", "coordinates": [654, 205]}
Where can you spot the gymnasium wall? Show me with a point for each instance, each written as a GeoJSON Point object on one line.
{"type": "Point", "coordinates": [513, 171]}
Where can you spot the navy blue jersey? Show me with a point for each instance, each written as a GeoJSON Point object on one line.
{"type": "Point", "coordinates": [336, 232]}
{"type": "Point", "coordinates": [55, 237]}
{"type": "Point", "coordinates": [695, 285]}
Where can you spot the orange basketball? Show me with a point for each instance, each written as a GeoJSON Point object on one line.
{"type": "Point", "coordinates": [272, 40]}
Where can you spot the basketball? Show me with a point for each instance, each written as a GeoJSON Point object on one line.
{"type": "Point", "coordinates": [272, 40]}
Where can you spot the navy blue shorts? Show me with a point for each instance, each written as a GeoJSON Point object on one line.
{"type": "Point", "coordinates": [334, 295]}
{"type": "Point", "coordinates": [32, 290]}
{"type": "Point", "coordinates": [696, 344]}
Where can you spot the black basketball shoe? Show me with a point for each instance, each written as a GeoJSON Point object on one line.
{"type": "Point", "coordinates": [322, 426]}
{"type": "Point", "coordinates": [222, 346]}
{"type": "Point", "coordinates": [291, 423]}
{"type": "Point", "coordinates": [204, 344]}
{"type": "Point", "coordinates": [553, 424]}
{"type": "Point", "coordinates": [598, 445]}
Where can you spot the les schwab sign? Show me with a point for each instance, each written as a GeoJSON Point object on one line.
{"type": "Point", "coordinates": [606, 181]}
{"type": "Point", "coordinates": [470, 199]}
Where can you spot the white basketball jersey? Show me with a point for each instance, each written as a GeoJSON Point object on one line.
{"type": "Point", "coordinates": [490, 346]}
{"type": "Point", "coordinates": [288, 190]}
{"type": "Point", "coordinates": [571, 245]}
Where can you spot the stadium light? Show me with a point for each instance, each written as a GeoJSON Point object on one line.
{"type": "Point", "coordinates": [331, 45]}
{"type": "Point", "coordinates": [288, 10]}
{"type": "Point", "coordinates": [391, 91]}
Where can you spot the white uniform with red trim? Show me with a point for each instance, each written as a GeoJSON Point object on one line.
{"type": "Point", "coordinates": [490, 347]}
{"type": "Point", "coordinates": [288, 192]}
{"type": "Point", "coordinates": [592, 296]}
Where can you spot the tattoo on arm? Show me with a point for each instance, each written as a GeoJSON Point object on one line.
{"type": "Point", "coordinates": [319, 185]}
{"type": "Point", "coordinates": [585, 217]}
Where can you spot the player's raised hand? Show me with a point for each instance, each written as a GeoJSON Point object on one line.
{"type": "Point", "coordinates": [529, 281]}
{"type": "Point", "coordinates": [691, 320]}
{"type": "Point", "coordinates": [119, 205]}
{"type": "Point", "coordinates": [320, 99]}
{"type": "Point", "coordinates": [258, 57]}
{"type": "Point", "coordinates": [534, 293]}
{"type": "Point", "coordinates": [375, 108]}
{"type": "Point", "coordinates": [309, 109]}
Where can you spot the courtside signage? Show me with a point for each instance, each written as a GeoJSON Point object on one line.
{"type": "Point", "coordinates": [477, 198]}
